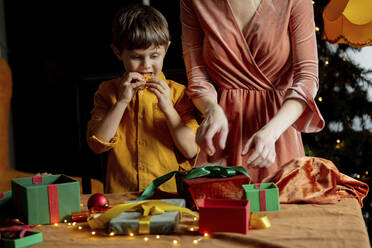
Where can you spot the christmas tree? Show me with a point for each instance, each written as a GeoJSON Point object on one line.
{"type": "Point", "coordinates": [343, 101]}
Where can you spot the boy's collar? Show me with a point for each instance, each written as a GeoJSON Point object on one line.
{"type": "Point", "coordinates": [161, 76]}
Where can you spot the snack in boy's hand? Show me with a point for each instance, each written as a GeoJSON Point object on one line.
{"type": "Point", "coordinates": [146, 77]}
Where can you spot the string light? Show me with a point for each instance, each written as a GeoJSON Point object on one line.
{"type": "Point", "coordinates": [338, 141]}
{"type": "Point", "coordinates": [195, 241]}
{"type": "Point", "coordinates": [69, 224]}
{"type": "Point", "coordinates": [192, 229]}
{"type": "Point", "coordinates": [65, 221]}
{"type": "Point", "coordinates": [157, 236]}
{"type": "Point", "coordinates": [175, 242]}
{"type": "Point", "coordinates": [73, 223]}
{"type": "Point", "coordinates": [326, 62]}
{"type": "Point", "coordinates": [313, 2]}
{"type": "Point", "coordinates": [317, 29]}
{"type": "Point", "coordinates": [55, 224]}
{"type": "Point", "coordinates": [131, 234]}
{"type": "Point", "coordinates": [112, 234]}
{"type": "Point", "coordinates": [93, 233]}
{"type": "Point", "coordinates": [320, 99]}
{"type": "Point", "coordinates": [206, 234]}
{"type": "Point", "coordinates": [146, 239]}
{"type": "Point", "coordinates": [80, 227]}
{"type": "Point", "coordinates": [344, 59]}
{"type": "Point", "coordinates": [366, 173]}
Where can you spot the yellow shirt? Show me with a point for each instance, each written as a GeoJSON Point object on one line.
{"type": "Point", "coordinates": [142, 148]}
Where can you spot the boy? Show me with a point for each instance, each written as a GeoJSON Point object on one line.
{"type": "Point", "coordinates": [143, 120]}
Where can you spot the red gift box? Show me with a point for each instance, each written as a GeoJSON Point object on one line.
{"type": "Point", "coordinates": [224, 215]}
{"type": "Point", "coordinates": [216, 188]}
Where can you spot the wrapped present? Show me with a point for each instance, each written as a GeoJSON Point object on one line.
{"type": "Point", "coordinates": [224, 215]}
{"type": "Point", "coordinates": [212, 181]}
{"type": "Point", "coordinates": [135, 222]}
{"type": "Point", "coordinates": [262, 196]}
{"type": "Point", "coordinates": [19, 236]}
{"type": "Point", "coordinates": [45, 199]}
{"type": "Point", "coordinates": [141, 217]}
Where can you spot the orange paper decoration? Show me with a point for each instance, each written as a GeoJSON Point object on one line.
{"type": "Point", "coordinates": [348, 22]}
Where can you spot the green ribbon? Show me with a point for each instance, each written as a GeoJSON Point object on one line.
{"type": "Point", "coordinates": [214, 171]}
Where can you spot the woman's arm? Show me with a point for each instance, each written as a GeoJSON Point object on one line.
{"type": "Point", "coordinates": [200, 87]}
{"type": "Point", "coordinates": [261, 145]}
{"type": "Point", "coordinates": [299, 108]}
{"type": "Point", "coordinates": [214, 124]}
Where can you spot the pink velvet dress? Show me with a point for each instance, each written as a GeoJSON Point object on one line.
{"type": "Point", "coordinates": [251, 74]}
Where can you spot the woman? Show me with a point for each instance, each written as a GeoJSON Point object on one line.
{"type": "Point", "coordinates": [253, 73]}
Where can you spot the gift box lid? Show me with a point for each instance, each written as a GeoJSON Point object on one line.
{"type": "Point", "coordinates": [208, 180]}
{"type": "Point", "coordinates": [258, 186]}
{"type": "Point", "coordinates": [216, 188]}
{"type": "Point", "coordinates": [29, 239]}
{"type": "Point", "coordinates": [45, 199]}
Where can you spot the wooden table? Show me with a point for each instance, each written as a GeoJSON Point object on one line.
{"type": "Point", "coordinates": [295, 225]}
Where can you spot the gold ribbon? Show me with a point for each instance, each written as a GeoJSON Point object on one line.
{"type": "Point", "coordinates": [148, 208]}
{"type": "Point", "coordinates": [259, 222]}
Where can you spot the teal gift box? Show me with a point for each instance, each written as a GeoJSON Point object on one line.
{"type": "Point", "coordinates": [45, 199]}
{"type": "Point", "coordinates": [262, 196]}
{"type": "Point", "coordinates": [129, 222]}
{"type": "Point", "coordinates": [29, 239]}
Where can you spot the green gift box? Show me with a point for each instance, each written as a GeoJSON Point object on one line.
{"type": "Point", "coordinates": [262, 196]}
{"type": "Point", "coordinates": [165, 223]}
{"type": "Point", "coordinates": [29, 239]}
{"type": "Point", "coordinates": [45, 199]}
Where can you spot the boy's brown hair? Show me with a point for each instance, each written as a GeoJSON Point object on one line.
{"type": "Point", "coordinates": [139, 26]}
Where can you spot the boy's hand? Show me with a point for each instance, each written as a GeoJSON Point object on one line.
{"type": "Point", "coordinates": [162, 92]}
{"type": "Point", "coordinates": [130, 83]}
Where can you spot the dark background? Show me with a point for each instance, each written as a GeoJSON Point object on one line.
{"type": "Point", "coordinates": [59, 51]}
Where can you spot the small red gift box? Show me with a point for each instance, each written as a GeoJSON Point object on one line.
{"type": "Point", "coordinates": [224, 215]}
{"type": "Point", "coordinates": [217, 188]}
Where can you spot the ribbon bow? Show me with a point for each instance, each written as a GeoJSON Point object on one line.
{"type": "Point", "coordinates": [14, 231]}
{"type": "Point", "coordinates": [148, 208]}
{"type": "Point", "coordinates": [215, 171]}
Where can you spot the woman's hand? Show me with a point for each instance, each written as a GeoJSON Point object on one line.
{"type": "Point", "coordinates": [130, 83]}
{"type": "Point", "coordinates": [162, 92]}
{"type": "Point", "coordinates": [214, 128]}
{"type": "Point", "coordinates": [261, 147]}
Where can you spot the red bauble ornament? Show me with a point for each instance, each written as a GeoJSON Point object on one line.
{"type": "Point", "coordinates": [97, 201]}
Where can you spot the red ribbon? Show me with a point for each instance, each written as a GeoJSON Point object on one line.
{"type": "Point", "coordinates": [262, 193]}
{"type": "Point", "coordinates": [11, 232]}
{"type": "Point", "coordinates": [53, 203]}
{"type": "Point", "coordinates": [2, 195]}
{"type": "Point", "coordinates": [37, 179]}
